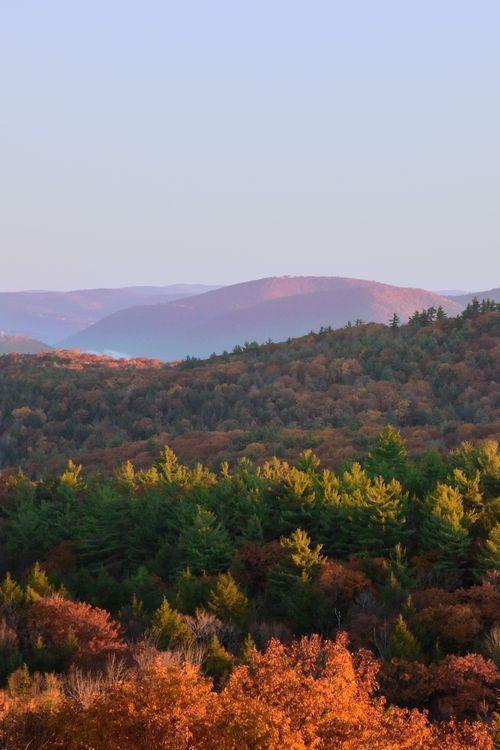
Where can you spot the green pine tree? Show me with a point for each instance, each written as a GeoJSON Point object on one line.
{"type": "Point", "coordinates": [394, 322]}
{"type": "Point", "coordinates": [205, 544]}
{"type": "Point", "coordinates": [217, 662]}
{"type": "Point", "coordinates": [248, 651]}
{"type": "Point", "coordinates": [293, 592]}
{"type": "Point", "coordinates": [440, 314]}
{"type": "Point", "coordinates": [388, 458]}
{"type": "Point", "coordinates": [38, 584]}
{"type": "Point", "coordinates": [192, 592]}
{"type": "Point", "coordinates": [226, 601]}
{"type": "Point", "coordinates": [11, 594]}
{"type": "Point", "coordinates": [443, 528]}
{"type": "Point", "coordinates": [403, 644]}
{"type": "Point", "coordinates": [488, 557]}
{"type": "Point", "coordinates": [168, 629]}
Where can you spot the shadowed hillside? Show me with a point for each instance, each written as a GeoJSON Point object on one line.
{"type": "Point", "coordinates": [51, 316]}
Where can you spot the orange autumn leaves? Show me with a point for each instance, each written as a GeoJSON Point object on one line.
{"type": "Point", "coordinates": [312, 694]}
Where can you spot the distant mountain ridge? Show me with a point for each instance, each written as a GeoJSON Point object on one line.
{"type": "Point", "coordinates": [21, 345]}
{"type": "Point", "coordinates": [51, 316]}
{"type": "Point", "coordinates": [274, 307]}
{"type": "Point", "coordinates": [465, 299]}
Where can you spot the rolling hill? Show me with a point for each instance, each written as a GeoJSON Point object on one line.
{"type": "Point", "coordinates": [51, 316]}
{"type": "Point", "coordinates": [275, 307]}
{"type": "Point", "coordinates": [21, 345]}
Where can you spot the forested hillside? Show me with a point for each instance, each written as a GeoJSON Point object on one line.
{"type": "Point", "coordinates": [192, 586]}
{"type": "Point", "coordinates": [332, 391]}
{"type": "Point", "coordinates": [275, 596]}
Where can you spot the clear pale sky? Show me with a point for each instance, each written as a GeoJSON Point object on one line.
{"type": "Point", "coordinates": [210, 141]}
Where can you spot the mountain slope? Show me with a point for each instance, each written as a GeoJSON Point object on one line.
{"type": "Point", "coordinates": [276, 307]}
{"type": "Point", "coordinates": [51, 316]}
{"type": "Point", "coordinates": [21, 345]}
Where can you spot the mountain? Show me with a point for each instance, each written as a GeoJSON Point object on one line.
{"type": "Point", "coordinates": [21, 345]}
{"type": "Point", "coordinates": [331, 391]}
{"type": "Point", "coordinates": [275, 307]}
{"type": "Point", "coordinates": [465, 299]}
{"type": "Point", "coordinates": [52, 316]}
{"type": "Point", "coordinates": [451, 292]}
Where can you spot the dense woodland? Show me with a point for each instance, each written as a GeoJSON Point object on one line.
{"type": "Point", "coordinates": [262, 604]}
{"type": "Point", "coordinates": [181, 576]}
{"type": "Point", "coordinates": [331, 391]}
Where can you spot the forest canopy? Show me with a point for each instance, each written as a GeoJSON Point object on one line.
{"type": "Point", "coordinates": [331, 391]}
{"type": "Point", "coordinates": [399, 556]}
{"type": "Point", "coordinates": [328, 577]}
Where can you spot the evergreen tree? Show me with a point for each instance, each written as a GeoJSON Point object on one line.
{"type": "Point", "coordinates": [226, 601]}
{"type": "Point", "coordinates": [379, 519]}
{"type": "Point", "coordinates": [488, 557]}
{"type": "Point", "coordinates": [293, 591]}
{"type": "Point", "coordinates": [475, 307]}
{"type": "Point", "coordinates": [399, 580]}
{"type": "Point", "coordinates": [305, 559]}
{"type": "Point", "coordinates": [388, 458]}
{"type": "Point", "coordinates": [403, 644]}
{"type": "Point", "coordinates": [134, 617]}
{"type": "Point", "coordinates": [192, 592]}
{"type": "Point", "coordinates": [394, 322]}
{"type": "Point", "coordinates": [367, 516]}
{"type": "Point", "coordinates": [443, 530]}
{"type": "Point", "coordinates": [143, 586]}
{"type": "Point", "coordinates": [237, 498]}
{"type": "Point", "coordinates": [217, 662]}
{"type": "Point", "coordinates": [205, 544]}
{"type": "Point", "coordinates": [11, 594]}
{"type": "Point", "coordinates": [440, 314]}
{"type": "Point", "coordinates": [248, 650]}
{"type": "Point", "coordinates": [294, 500]}
{"type": "Point", "coordinates": [168, 629]}
{"type": "Point", "coordinates": [38, 584]}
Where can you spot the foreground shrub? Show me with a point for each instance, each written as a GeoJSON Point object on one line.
{"type": "Point", "coordinates": [311, 694]}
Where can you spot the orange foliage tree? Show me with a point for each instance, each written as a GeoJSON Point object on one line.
{"type": "Point", "coordinates": [312, 694]}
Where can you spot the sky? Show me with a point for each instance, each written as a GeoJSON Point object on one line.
{"type": "Point", "coordinates": [154, 142]}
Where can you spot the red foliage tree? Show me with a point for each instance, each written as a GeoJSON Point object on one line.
{"type": "Point", "coordinates": [91, 631]}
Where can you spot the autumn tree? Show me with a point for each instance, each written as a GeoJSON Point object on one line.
{"type": "Point", "coordinates": [89, 631]}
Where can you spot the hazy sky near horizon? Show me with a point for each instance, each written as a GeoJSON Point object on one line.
{"type": "Point", "coordinates": [156, 142]}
